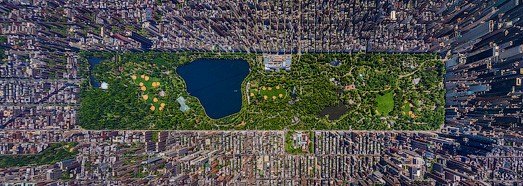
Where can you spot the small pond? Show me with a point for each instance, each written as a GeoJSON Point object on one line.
{"type": "Point", "coordinates": [92, 63]}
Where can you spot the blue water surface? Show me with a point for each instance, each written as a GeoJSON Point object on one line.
{"type": "Point", "coordinates": [92, 63]}
{"type": "Point", "coordinates": [216, 83]}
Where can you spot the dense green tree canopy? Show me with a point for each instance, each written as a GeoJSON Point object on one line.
{"type": "Point", "coordinates": [413, 84]}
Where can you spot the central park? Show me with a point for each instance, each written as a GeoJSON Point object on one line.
{"type": "Point", "coordinates": [204, 91]}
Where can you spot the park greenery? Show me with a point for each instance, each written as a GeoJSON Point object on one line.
{"type": "Point", "coordinates": [3, 43]}
{"type": "Point", "coordinates": [385, 103]}
{"type": "Point", "coordinates": [56, 152]}
{"type": "Point", "coordinates": [376, 92]}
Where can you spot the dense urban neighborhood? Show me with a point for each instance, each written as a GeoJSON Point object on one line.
{"type": "Point", "coordinates": [180, 92]}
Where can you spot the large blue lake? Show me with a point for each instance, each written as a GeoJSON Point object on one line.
{"type": "Point", "coordinates": [216, 83]}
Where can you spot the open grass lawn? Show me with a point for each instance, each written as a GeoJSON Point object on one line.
{"type": "Point", "coordinates": [150, 88]}
{"type": "Point", "coordinates": [278, 91]}
{"type": "Point", "coordinates": [385, 103]}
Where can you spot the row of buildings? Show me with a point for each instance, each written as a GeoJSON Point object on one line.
{"type": "Point", "coordinates": [280, 27]}
{"type": "Point", "coordinates": [485, 66]}
{"type": "Point", "coordinates": [259, 157]}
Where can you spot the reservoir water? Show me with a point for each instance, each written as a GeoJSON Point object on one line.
{"type": "Point", "coordinates": [216, 83]}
